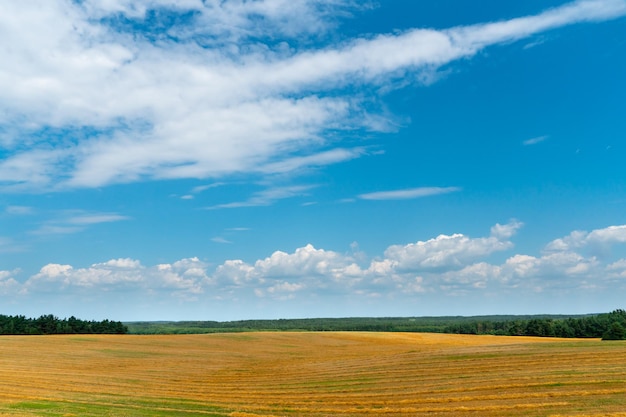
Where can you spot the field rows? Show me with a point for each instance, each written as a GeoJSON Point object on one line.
{"type": "Point", "coordinates": [310, 374]}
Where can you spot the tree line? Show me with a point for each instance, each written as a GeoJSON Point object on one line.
{"type": "Point", "coordinates": [50, 324]}
{"type": "Point", "coordinates": [608, 326]}
{"type": "Point", "coordinates": [366, 324]}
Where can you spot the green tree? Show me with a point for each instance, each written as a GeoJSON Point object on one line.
{"type": "Point", "coordinates": [615, 332]}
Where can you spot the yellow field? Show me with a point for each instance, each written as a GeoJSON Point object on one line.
{"type": "Point", "coordinates": [310, 374]}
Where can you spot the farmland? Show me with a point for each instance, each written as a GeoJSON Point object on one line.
{"type": "Point", "coordinates": [310, 374]}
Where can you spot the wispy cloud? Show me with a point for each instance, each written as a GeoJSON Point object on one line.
{"type": "Point", "coordinates": [200, 188]}
{"type": "Point", "coordinates": [332, 156]}
{"type": "Point", "coordinates": [88, 219]}
{"type": "Point", "coordinates": [408, 193]}
{"type": "Point", "coordinates": [219, 239]}
{"type": "Point", "coordinates": [208, 112]}
{"type": "Point", "coordinates": [268, 197]}
{"type": "Point", "coordinates": [8, 245]}
{"type": "Point", "coordinates": [74, 221]}
{"type": "Point", "coordinates": [56, 229]}
{"type": "Point", "coordinates": [534, 141]}
{"type": "Point", "coordinates": [19, 210]}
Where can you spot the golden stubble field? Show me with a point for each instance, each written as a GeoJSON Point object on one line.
{"type": "Point", "coordinates": [310, 374]}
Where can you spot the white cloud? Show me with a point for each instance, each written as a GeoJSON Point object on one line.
{"type": "Point", "coordinates": [470, 278]}
{"type": "Point", "coordinates": [450, 251]}
{"type": "Point", "coordinates": [617, 269]}
{"type": "Point", "coordinates": [554, 265]}
{"type": "Point", "coordinates": [557, 271]}
{"type": "Point", "coordinates": [448, 265]}
{"type": "Point", "coordinates": [8, 284]}
{"type": "Point", "coordinates": [219, 239]}
{"type": "Point", "coordinates": [182, 278]}
{"type": "Point", "coordinates": [19, 210]}
{"type": "Point", "coordinates": [281, 290]}
{"type": "Point", "coordinates": [306, 261]}
{"type": "Point", "coordinates": [506, 231]}
{"type": "Point", "coordinates": [609, 235]}
{"type": "Point", "coordinates": [598, 238]}
{"type": "Point", "coordinates": [8, 245]}
{"type": "Point", "coordinates": [534, 141]}
{"type": "Point", "coordinates": [267, 197]}
{"type": "Point", "coordinates": [408, 193]}
{"type": "Point", "coordinates": [51, 229]}
{"type": "Point", "coordinates": [234, 273]}
{"type": "Point", "coordinates": [231, 21]}
{"type": "Point", "coordinates": [53, 276]}
{"type": "Point", "coordinates": [88, 219]}
{"type": "Point", "coordinates": [215, 102]}
{"type": "Point", "coordinates": [282, 274]}
{"type": "Point", "coordinates": [122, 263]}
{"type": "Point", "coordinates": [201, 188]}
{"type": "Point", "coordinates": [75, 221]}
{"type": "Point", "coordinates": [323, 158]}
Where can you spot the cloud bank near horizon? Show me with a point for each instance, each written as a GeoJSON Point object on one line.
{"type": "Point", "coordinates": [91, 95]}
{"type": "Point", "coordinates": [454, 265]}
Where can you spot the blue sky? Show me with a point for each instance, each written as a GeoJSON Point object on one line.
{"type": "Point", "coordinates": [215, 160]}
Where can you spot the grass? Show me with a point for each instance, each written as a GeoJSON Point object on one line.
{"type": "Point", "coordinates": [310, 374]}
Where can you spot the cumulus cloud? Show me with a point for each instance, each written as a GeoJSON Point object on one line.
{"type": "Point", "coordinates": [8, 284]}
{"type": "Point", "coordinates": [505, 231]}
{"type": "Point", "coordinates": [284, 274]}
{"type": "Point", "coordinates": [450, 251]}
{"type": "Point", "coordinates": [446, 265]}
{"type": "Point", "coordinates": [553, 266]}
{"type": "Point", "coordinates": [101, 276]}
{"type": "Point", "coordinates": [316, 270]}
{"type": "Point", "coordinates": [306, 261]}
{"type": "Point", "coordinates": [182, 278]}
{"type": "Point", "coordinates": [596, 238]}
{"type": "Point", "coordinates": [561, 266]}
{"type": "Point", "coordinates": [617, 269]}
{"type": "Point", "coordinates": [94, 93]}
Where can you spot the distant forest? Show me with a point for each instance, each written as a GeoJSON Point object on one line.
{"type": "Point", "coordinates": [608, 326]}
{"type": "Point", "coordinates": [49, 324]}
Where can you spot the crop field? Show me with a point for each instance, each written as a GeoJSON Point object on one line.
{"type": "Point", "coordinates": [310, 374]}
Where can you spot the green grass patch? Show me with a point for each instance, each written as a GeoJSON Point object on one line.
{"type": "Point", "coordinates": [118, 409]}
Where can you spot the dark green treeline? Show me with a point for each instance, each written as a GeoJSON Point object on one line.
{"type": "Point", "coordinates": [609, 326]}
{"type": "Point", "coordinates": [49, 324]}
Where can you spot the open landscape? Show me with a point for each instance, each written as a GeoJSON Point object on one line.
{"type": "Point", "coordinates": [310, 374]}
{"type": "Point", "coordinates": [312, 208]}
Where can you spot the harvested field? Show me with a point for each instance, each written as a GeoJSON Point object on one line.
{"type": "Point", "coordinates": [310, 374]}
